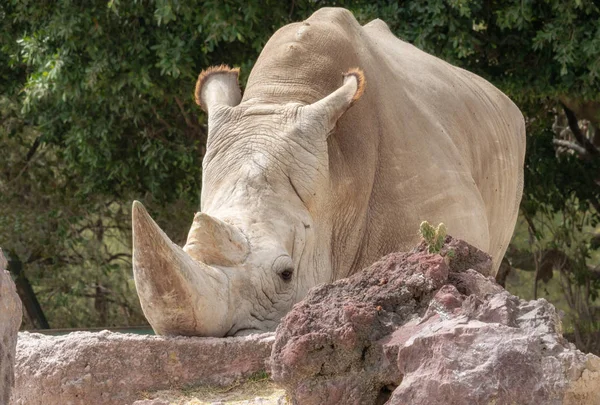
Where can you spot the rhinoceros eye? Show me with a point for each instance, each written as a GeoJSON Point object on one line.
{"type": "Point", "coordinates": [283, 266]}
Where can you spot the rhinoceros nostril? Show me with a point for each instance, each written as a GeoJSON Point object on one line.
{"type": "Point", "coordinates": [286, 275]}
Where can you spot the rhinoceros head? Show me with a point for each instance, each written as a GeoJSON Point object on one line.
{"type": "Point", "coordinates": [262, 239]}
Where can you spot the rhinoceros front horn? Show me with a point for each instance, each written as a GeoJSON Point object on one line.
{"type": "Point", "coordinates": [179, 295]}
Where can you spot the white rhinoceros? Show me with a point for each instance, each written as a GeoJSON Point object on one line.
{"type": "Point", "coordinates": [314, 174]}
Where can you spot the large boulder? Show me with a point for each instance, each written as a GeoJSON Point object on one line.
{"type": "Point", "coordinates": [10, 321]}
{"type": "Point", "coordinates": [418, 328]}
{"type": "Point", "coordinates": [84, 368]}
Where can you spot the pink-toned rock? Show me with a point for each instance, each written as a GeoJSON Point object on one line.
{"type": "Point", "coordinates": [416, 328]}
{"type": "Point", "coordinates": [10, 321]}
{"type": "Point", "coordinates": [85, 368]}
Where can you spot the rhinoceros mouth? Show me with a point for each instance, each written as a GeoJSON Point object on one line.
{"type": "Point", "coordinates": [248, 331]}
{"type": "Point", "coordinates": [179, 295]}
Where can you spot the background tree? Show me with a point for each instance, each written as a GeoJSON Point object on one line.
{"type": "Point", "coordinates": [96, 109]}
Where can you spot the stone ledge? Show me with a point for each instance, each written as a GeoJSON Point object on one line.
{"type": "Point", "coordinates": [84, 368]}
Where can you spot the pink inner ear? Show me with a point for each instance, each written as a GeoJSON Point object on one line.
{"type": "Point", "coordinates": [206, 74]}
{"type": "Point", "coordinates": [360, 80]}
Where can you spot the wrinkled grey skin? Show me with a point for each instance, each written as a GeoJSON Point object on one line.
{"type": "Point", "coordinates": [282, 163]}
{"type": "Point", "coordinates": [307, 180]}
{"type": "Point", "coordinates": [263, 163]}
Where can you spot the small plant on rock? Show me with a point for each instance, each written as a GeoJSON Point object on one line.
{"type": "Point", "coordinates": [434, 237]}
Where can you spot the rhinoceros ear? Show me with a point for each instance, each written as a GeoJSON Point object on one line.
{"type": "Point", "coordinates": [218, 85]}
{"type": "Point", "coordinates": [332, 107]}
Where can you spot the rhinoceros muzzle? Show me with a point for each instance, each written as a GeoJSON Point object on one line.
{"type": "Point", "coordinates": [180, 292]}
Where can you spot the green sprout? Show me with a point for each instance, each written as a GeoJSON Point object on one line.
{"type": "Point", "coordinates": [434, 237]}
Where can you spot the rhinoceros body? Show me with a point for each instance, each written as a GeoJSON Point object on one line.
{"type": "Point", "coordinates": [346, 138]}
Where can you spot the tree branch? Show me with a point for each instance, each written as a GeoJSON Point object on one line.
{"type": "Point", "coordinates": [186, 117]}
{"type": "Point", "coordinates": [161, 120]}
{"type": "Point", "coordinates": [579, 136]}
{"type": "Point", "coordinates": [28, 160]}
{"type": "Point", "coordinates": [550, 259]}
{"type": "Point", "coordinates": [573, 146]}
{"type": "Point", "coordinates": [118, 256]}
{"type": "Point", "coordinates": [33, 149]}
{"type": "Point", "coordinates": [531, 226]}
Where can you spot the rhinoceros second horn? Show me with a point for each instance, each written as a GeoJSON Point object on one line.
{"type": "Point", "coordinates": [212, 241]}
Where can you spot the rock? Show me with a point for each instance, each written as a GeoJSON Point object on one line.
{"type": "Point", "coordinates": [418, 328]}
{"type": "Point", "coordinates": [10, 321]}
{"type": "Point", "coordinates": [113, 368]}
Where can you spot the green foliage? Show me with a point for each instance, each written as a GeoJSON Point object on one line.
{"type": "Point", "coordinates": [531, 50]}
{"type": "Point", "coordinates": [69, 249]}
{"type": "Point", "coordinates": [434, 237]}
{"type": "Point", "coordinates": [556, 248]}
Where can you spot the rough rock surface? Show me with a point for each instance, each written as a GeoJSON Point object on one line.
{"type": "Point", "coordinates": [418, 328]}
{"type": "Point", "coordinates": [84, 368]}
{"type": "Point", "coordinates": [10, 321]}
